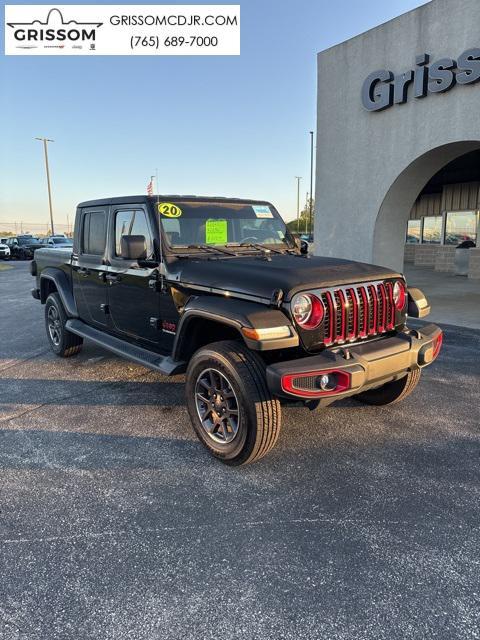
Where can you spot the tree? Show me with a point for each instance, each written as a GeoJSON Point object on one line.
{"type": "Point", "coordinates": [303, 225]}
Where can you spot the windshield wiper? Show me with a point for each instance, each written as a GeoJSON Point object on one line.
{"type": "Point", "coordinates": [209, 249]}
{"type": "Point", "coordinates": [258, 245]}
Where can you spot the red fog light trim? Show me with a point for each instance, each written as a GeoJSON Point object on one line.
{"type": "Point", "coordinates": [343, 383]}
{"type": "Point", "coordinates": [437, 344]}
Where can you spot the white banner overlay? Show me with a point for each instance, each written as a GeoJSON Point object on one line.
{"type": "Point", "coordinates": [118, 30]}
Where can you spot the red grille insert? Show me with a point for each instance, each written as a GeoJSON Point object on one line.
{"type": "Point", "coordinates": [358, 311]}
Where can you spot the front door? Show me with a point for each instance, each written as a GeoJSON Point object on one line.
{"type": "Point", "coordinates": [88, 268]}
{"type": "Point", "coordinates": [133, 300]}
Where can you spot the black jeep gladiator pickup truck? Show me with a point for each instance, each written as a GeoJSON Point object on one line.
{"type": "Point", "coordinates": [218, 288]}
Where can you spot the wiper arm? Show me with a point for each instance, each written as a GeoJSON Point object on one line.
{"type": "Point", "coordinates": [258, 245]}
{"type": "Point", "coordinates": [209, 249]}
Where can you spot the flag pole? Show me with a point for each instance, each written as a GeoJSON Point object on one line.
{"type": "Point", "coordinates": [162, 266]}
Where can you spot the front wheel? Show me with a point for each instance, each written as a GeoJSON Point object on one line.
{"type": "Point", "coordinates": [231, 409]}
{"type": "Point", "coordinates": [62, 342]}
{"type": "Point", "coordinates": [391, 392]}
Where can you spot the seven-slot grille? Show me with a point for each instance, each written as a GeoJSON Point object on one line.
{"type": "Point", "coordinates": [358, 311]}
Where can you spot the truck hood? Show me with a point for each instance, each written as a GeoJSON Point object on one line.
{"type": "Point", "coordinates": [255, 276]}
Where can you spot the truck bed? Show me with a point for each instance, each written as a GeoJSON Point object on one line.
{"type": "Point", "coordinates": [58, 258]}
{"type": "Point", "coordinates": [52, 258]}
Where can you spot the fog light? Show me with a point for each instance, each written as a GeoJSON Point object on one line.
{"type": "Point", "coordinates": [327, 382]}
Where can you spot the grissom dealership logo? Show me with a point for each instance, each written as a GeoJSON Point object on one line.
{"type": "Point", "coordinates": [383, 88]}
{"type": "Point", "coordinates": [54, 31]}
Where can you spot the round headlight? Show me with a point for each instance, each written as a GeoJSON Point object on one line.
{"type": "Point", "coordinates": [399, 295]}
{"type": "Point", "coordinates": [307, 310]}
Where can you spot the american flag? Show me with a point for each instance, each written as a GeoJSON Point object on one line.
{"type": "Point", "coordinates": [150, 188]}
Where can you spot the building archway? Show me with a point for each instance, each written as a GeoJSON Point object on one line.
{"type": "Point", "coordinates": [390, 224]}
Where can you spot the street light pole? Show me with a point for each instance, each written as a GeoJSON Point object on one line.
{"type": "Point", "coordinates": [306, 217]}
{"type": "Point", "coordinates": [47, 170]}
{"type": "Point", "coordinates": [311, 180]}
{"type": "Point", "coordinates": [298, 202]}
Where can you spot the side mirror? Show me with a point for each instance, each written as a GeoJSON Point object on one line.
{"type": "Point", "coordinates": [298, 243]}
{"type": "Point", "coordinates": [133, 247]}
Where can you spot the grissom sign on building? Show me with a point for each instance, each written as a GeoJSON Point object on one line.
{"type": "Point", "coordinates": [382, 89]}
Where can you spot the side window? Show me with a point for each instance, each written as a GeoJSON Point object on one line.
{"type": "Point", "coordinates": [132, 223]}
{"type": "Point", "coordinates": [94, 233]}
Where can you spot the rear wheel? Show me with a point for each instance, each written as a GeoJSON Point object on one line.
{"type": "Point", "coordinates": [62, 342]}
{"type": "Point", "coordinates": [391, 392]}
{"type": "Point", "coordinates": [231, 409]}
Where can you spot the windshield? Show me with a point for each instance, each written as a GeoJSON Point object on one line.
{"type": "Point", "coordinates": [61, 241]}
{"type": "Point", "coordinates": [28, 240]}
{"type": "Point", "coordinates": [222, 223]}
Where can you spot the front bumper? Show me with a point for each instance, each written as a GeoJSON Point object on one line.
{"type": "Point", "coordinates": [353, 369]}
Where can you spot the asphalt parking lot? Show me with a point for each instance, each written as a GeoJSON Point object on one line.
{"type": "Point", "coordinates": [363, 523]}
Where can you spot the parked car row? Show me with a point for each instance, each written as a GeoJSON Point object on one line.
{"type": "Point", "coordinates": [23, 247]}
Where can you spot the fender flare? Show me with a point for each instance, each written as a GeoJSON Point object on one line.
{"type": "Point", "coordinates": [238, 314]}
{"type": "Point", "coordinates": [64, 288]}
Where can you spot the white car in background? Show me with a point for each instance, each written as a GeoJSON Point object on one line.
{"type": "Point", "coordinates": [4, 251]}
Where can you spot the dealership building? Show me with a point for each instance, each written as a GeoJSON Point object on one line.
{"type": "Point", "coordinates": [398, 141]}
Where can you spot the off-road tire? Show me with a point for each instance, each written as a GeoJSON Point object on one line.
{"type": "Point", "coordinates": [259, 412]}
{"type": "Point", "coordinates": [391, 392]}
{"type": "Point", "coordinates": [65, 344]}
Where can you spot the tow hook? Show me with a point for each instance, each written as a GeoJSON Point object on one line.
{"type": "Point", "coordinates": [344, 353]}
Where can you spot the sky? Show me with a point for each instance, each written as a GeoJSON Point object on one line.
{"type": "Point", "coordinates": [228, 125]}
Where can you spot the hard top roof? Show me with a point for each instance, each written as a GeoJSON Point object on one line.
{"type": "Point", "coordinates": [164, 198]}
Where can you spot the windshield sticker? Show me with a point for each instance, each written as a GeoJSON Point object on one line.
{"type": "Point", "coordinates": [262, 211]}
{"type": "Point", "coordinates": [169, 210]}
{"type": "Point", "coordinates": [216, 231]}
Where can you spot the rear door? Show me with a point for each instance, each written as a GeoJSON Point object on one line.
{"type": "Point", "coordinates": [89, 267]}
{"type": "Point", "coordinates": [132, 299]}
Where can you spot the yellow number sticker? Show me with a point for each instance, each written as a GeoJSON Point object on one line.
{"type": "Point", "coordinates": [169, 210]}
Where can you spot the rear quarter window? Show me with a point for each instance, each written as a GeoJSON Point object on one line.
{"type": "Point", "coordinates": [94, 233]}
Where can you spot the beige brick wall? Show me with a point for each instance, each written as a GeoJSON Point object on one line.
{"type": "Point", "coordinates": [474, 263]}
{"type": "Point", "coordinates": [425, 255]}
{"type": "Point", "coordinates": [409, 254]}
{"type": "Point", "coordinates": [445, 259]}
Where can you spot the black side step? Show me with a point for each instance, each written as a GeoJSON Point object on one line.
{"type": "Point", "coordinates": [150, 359]}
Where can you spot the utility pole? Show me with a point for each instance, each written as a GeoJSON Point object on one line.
{"type": "Point", "coordinates": [311, 180]}
{"type": "Point", "coordinates": [45, 141]}
{"type": "Point", "coordinates": [298, 203]}
{"type": "Point", "coordinates": [306, 217]}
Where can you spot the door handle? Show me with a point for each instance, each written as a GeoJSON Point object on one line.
{"type": "Point", "coordinates": [84, 272]}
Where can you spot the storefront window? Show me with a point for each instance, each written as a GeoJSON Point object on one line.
{"type": "Point", "coordinates": [413, 231]}
{"type": "Point", "coordinates": [461, 226]}
{"type": "Point", "coordinates": [432, 230]}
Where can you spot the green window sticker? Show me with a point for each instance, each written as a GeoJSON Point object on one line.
{"type": "Point", "coordinates": [216, 231]}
